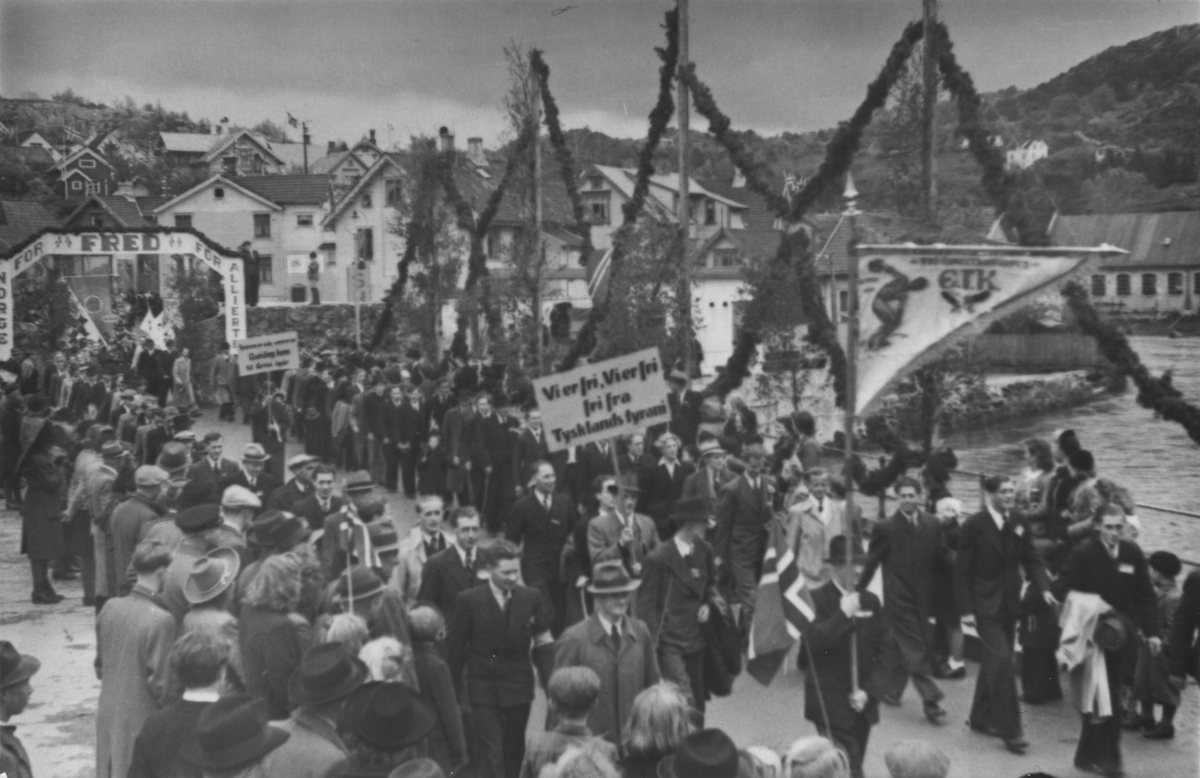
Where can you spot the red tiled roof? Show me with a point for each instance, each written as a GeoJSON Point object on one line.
{"type": "Point", "coordinates": [288, 189]}
{"type": "Point", "coordinates": [19, 220]}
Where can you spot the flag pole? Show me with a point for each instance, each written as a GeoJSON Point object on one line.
{"type": "Point", "coordinates": [851, 214]}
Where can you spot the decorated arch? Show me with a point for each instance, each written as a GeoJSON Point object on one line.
{"type": "Point", "coordinates": [187, 243]}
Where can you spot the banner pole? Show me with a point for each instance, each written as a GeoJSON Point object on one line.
{"type": "Point", "coordinates": [851, 214]}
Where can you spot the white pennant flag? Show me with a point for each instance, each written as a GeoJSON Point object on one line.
{"type": "Point", "coordinates": [915, 302]}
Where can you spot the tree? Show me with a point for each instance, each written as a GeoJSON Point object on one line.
{"type": "Point", "coordinates": [1115, 191]}
{"type": "Point", "coordinates": [271, 131]}
{"type": "Point", "coordinates": [899, 135]}
{"type": "Point", "coordinates": [197, 291]}
{"type": "Point", "coordinates": [46, 318]}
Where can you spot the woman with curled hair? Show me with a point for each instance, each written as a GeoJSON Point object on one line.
{"type": "Point", "coordinates": [389, 660]}
{"type": "Point", "coordinates": [659, 721]}
{"type": "Point", "coordinates": [345, 628]}
{"type": "Point", "coordinates": [1034, 480]}
{"type": "Point", "coordinates": [273, 635]}
{"type": "Point", "coordinates": [815, 757]}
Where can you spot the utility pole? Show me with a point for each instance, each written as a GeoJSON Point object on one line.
{"type": "Point", "coordinates": [538, 247]}
{"type": "Point", "coordinates": [929, 94]}
{"type": "Point", "coordinates": [304, 139]}
{"type": "Point", "coordinates": [685, 208]}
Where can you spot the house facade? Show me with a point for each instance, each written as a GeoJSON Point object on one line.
{"type": "Point", "coordinates": [1161, 272]}
{"type": "Point", "coordinates": [1023, 155]}
{"type": "Point", "coordinates": [280, 216]}
{"type": "Point", "coordinates": [236, 153]}
{"type": "Point", "coordinates": [82, 173]}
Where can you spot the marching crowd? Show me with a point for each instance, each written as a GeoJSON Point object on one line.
{"type": "Point", "coordinates": [255, 625]}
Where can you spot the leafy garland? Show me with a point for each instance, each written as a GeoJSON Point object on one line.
{"type": "Point", "coordinates": [1156, 394]}
{"type": "Point", "coordinates": [663, 109]}
{"type": "Point", "coordinates": [566, 160]}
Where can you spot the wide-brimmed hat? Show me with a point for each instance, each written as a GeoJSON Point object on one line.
{"type": "Point", "coordinates": [276, 530]}
{"type": "Point", "coordinates": [709, 753]}
{"type": "Point", "coordinates": [173, 456]}
{"type": "Point", "coordinates": [612, 578]}
{"type": "Point", "coordinates": [629, 483]}
{"type": "Point", "coordinates": [710, 446]}
{"type": "Point", "coordinates": [689, 510]}
{"type": "Point", "coordinates": [211, 575]}
{"type": "Point", "coordinates": [840, 551]}
{"type": "Point", "coordinates": [300, 460]}
{"type": "Point", "coordinates": [383, 536]}
{"type": "Point", "coordinates": [358, 481]}
{"type": "Point", "coordinates": [388, 717]}
{"type": "Point", "coordinates": [1110, 632]}
{"type": "Point", "coordinates": [112, 448]}
{"type": "Point", "coordinates": [360, 582]}
{"type": "Point", "coordinates": [327, 673]}
{"type": "Point", "coordinates": [418, 768]}
{"type": "Point", "coordinates": [254, 453]}
{"type": "Point", "coordinates": [198, 517]}
{"type": "Point", "coordinates": [15, 668]}
{"type": "Point", "coordinates": [232, 731]}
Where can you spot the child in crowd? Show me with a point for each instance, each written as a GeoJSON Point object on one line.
{"type": "Point", "coordinates": [572, 692]}
{"type": "Point", "coordinates": [1151, 683]}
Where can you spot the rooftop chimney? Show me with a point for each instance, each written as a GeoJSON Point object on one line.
{"type": "Point", "coordinates": [371, 133]}
{"type": "Point", "coordinates": [332, 147]}
{"type": "Point", "coordinates": [739, 178]}
{"type": "Point", "coordinates": [445, 139]}
{"type": "Point", "coordinates": [475, 152]}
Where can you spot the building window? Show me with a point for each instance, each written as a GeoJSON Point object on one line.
{"type": "Point", "coordinates": [304, 220]}
{"type": "Point", "coordinates": [727, 258]}
{"type": "Point", "coordinates": [97, 220]}
{"type": "Point", "coordinates": [183, 221]}
{"type": "Point", "coordinates": [1099, 285]}
{"type": "Point", "coordinates": [599, 212]}
{"type": "Point", "coordinates": [230, 164]}
{"type": "Point", "coordinates": [367, 202]}
{"type": "Point", "coordinates": [88, 163]}
{"type": "Point", "coordinates": [365, 243]}
{"type": "Point", "coordinates": [97, 265]}
{"type": "Point", "coordinates": [354, 180]}
{"type": "Point", "coordinates": [596, 182]}
{"type": "Point", "coordinates": [219, 193]}
{"type": "Point", "coordinates": [262, 225]}
{"type": "Point", "coordinates": [843, 300]}
{"type": "Point", "coordinates": [710, 212]}
{"type": "Point", "coordinates": [395, 192]}
{"type": "Point", "coordinates": [1196, 283]}
{"type": "Point", "coordinates": [94, 187]}
{"type": "Point", "coordinates": [76, 185]}
{"type": "Point", "coordinates": [266, 269]}
{"type": "Point", "coordinates": [1174, 283]}
{"type": "Point", "coordinates": [1123, 289]}
{"type": "Point", "coordinates": [1149, 284]}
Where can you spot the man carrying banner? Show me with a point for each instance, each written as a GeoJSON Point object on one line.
{"type": "Point", "coordinates": [907, 546]}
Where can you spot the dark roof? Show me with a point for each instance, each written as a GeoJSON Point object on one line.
{"type": "Point", "coordinates": [475, 188]}
{"type": "Point", "coordinates": [21, 219]}
{"type": "Point", "coordinates": [833, 235]}
{"type": "Point", "coordinates": [1152, 239]}
{"type": "Point", "coordinates": [759, 238]}
{"type": "Point", "coordinates": [130, 212]}
{"type": "Point", "coordinates": [38, 159]}
{"type": "Point", "coordinates": [568, 238]}
{"type": "Point", "coordinates": [288, 189]}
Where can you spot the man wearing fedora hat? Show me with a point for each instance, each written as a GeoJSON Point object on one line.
{"type": "Point", "coordinates": [252, 474]}
{"type": "Point", "coordinates": [706, 482]}
{"type": "Point", "coordinates": [232, 732]}
{"type": "Point", "coordinates": [129, 520]}
{"type": "Point", "coordinates": [840, 710]}
{"type": "Point", "coordinates": [327, 675]}
{"type": "Point", "coordinates": [134, 635]}
{"type": "Point", "coordinates": [618, 530]}
{"type": "Point", "coordinates": [202, 532]}
{"type": "Point", "coordinates": [709, 753]}
{"type": "Point", "coordinates": [16, 670]}
{"type": "Point", "coordinates": [614, 644]}
{"type": "Point", "coordinates": [679, 587]}
{"type": "Point", "coordinates": [301, 486]}
{"type": "Point", "coordinates": [361, 504]}
{"type": "Point", "coordinates": [389, 723]}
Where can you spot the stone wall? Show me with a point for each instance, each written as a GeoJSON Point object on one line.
{"type": "Point", "coordinates": [320, 326]}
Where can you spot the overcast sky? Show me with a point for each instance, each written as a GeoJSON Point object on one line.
{"type": "Point", "coordinates": [349, 65]}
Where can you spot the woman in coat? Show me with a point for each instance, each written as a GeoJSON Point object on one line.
{"type": "Point", "coordinates": [10, 449]}
{"type": "Point", "coordinates": [43, 466]}
{"type": "Point", "coordinates": [664, 484]}
{"type": "Point", "coordinates": [273, 636]}
{"type": "Point", "coordinates": [181, 378]}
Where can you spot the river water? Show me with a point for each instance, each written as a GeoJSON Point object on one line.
{"type": "Point", "coordinates": [1154, 459]}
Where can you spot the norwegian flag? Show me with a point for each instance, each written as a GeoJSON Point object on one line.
{"type": "Point", "coordinates": [783, 611]}
{"type": "Point", "coordinates": [355, 539]}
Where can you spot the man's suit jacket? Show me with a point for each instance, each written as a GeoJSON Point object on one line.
{"type": "Point", "coordinates": [264, 486]}
{"type": "Point", "coordinates": [156, 749]}
{"type": "Point", "coordinates": [205, 471]}
{"type": "Point", "coordinates": [742, 515]}
{"type": "Point", "coordinates": [661, 489]}
{"type": "Point", "coordinates": [438, 406]}
{"type": "Point", "coordinates": [286, 496]}
{"type": "Point", "coordinates": [705, 485]}
{"type": "Point", "coordinates": [828, 638]}
{"type": "Point", "coordinates": [447, 740]}
{"type": "Point", "coordinates": [672, 592]}
{"type": "Point", "coordinates": [604, 535]}
{"type": "Point", "coordinates": [624, 673]}
{"type": "Point", "coordinates": [414, 423]}
{"type": "Point", "coordinates": [1184, 650]}
{"type": "Point", "coordinates": [391, 424]}
{"type": "Point", "coordinates": [492, 646]}
{"type": "Point", "coordinates": [531, 448]}
{"type": "Point", "coordinates": [78, 401]}
{"type": "Point", "coordinates": [908, 552]}
{"type": "Point", "coordinates": [543, 533]}
{"type": "Point", "coordinates": [456, 436]}
{"type": "Point", "coordinates": [311, 511]}
{"type": "Point", "coordinates": [372, 411]}
{"type": "Point", "coordinates": [406, 575]}
{"type": "Point", "coordinates": [272, 645]}
{"type": "Point", "coordinates": [987, 566]}
{"type": "Point", "coordinates": [127, 426]}
{"type": "Point", "coordinates": [491, 440]}
{"type": "Point", "coordinates": [444, 577]}
{"type": "Point", "coordinates": [1124, 582]}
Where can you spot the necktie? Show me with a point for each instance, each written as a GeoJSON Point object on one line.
{"type": "Point", "coordinates": [505, 599]}
{"type": "Point", "coordinates": [615, 636]}
{"type": "Point", "coordinates": [471, 559]}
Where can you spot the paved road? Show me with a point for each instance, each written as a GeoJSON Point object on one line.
{"type": "Point", "coordinates": [59, 727]}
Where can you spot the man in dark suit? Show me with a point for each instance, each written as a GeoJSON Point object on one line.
{"type": "Point", "coordinates": [1185, 650]}
{"type": "Point", "coordinates": [252, 474]}
{"type": "Point", "coordinates": [1114, 568]}
{"type": "Point", "coordinates": [492, 436]}
{"type": "Point", "coordinates": [440, 402]}
{"type": "Point", "coordinates": [663, 484]}
{"type": "Point", "coordinates": [705, 483]}
{"type": "Point", "coordinates": [213, 467]}
{"type": "Point", "coordinates": [414, 432]}
{"type": "Point", "coordinates": [449, 572]}
{"type": "Point", "coordinates": [81, 390]}
{"type": "Point", "coordinates": [679, 587]}
{"type": "Point", "coordinates": [993, 546]}
{"type": "Point", "coordinates": [583, 464]}
{"type": "Point", "coordinates": [843, 615]}
{"type": "Point", "coordinates": [684, 405]}
{"type": "Point", "coordinates": [456, 437]}
{"type": "Point", "coordinates": [493, 631]}
{"type": "Point", "coordinates": [391, 433]}
{"type": "Point", "coordinates": [531, 448]}
{"type": "Point", "coordinates": [742, 515]}
{"type": "Point", "coordinates": [907, 546]}
{"type": "Point", "coordinates": [541, 522]}
{"type": "Point", "coordinates": [372, 410]}
{"type": "Point", "coordinates": [322, 502]}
